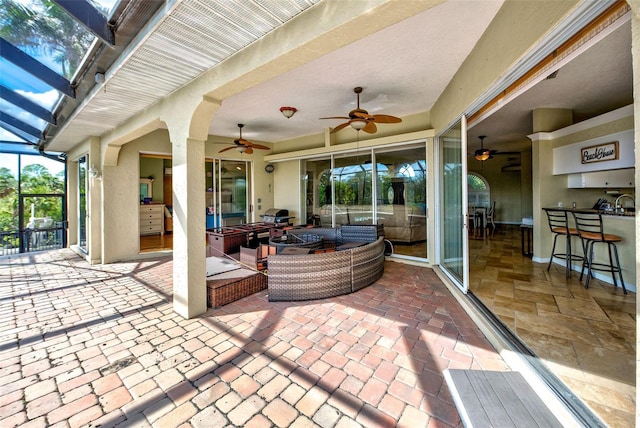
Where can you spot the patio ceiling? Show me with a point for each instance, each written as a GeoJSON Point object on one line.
{"type": "Point", "coordinates": [403, 69]}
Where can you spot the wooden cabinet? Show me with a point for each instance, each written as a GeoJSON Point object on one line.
{"type": "Point", "coordinates": [615, 178]}
{"type": "Point", "coordinates": [152, 219]}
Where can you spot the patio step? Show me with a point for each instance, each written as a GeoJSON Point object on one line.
{"type": "Point", "coordinates": [497, 399]}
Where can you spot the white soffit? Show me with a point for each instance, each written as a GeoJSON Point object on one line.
{"type": "Point", "coordinates": [194, 37]}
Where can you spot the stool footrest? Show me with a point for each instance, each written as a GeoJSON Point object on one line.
{"type": "Point", "coordinates": [603, 267]}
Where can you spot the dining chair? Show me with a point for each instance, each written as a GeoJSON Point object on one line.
{"type": "Point", "coordinates": [490, 217]}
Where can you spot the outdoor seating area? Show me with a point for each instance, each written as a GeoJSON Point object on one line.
{"type": "Point", "coordinates": [302, 263]}
{"type": "Point", "coordinates": [329, 274]}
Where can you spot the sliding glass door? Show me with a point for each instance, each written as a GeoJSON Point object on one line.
{"type": "Point", "coordinates": [385, 186]}
{"type": "Point", "coordinates": [453, 248]}
{"type": "Point", "coordinates": [401, 199]}
{"type": "Point", "coordinates": [83, 212]}
{"type": "Point", "coordinates": [227, 192]}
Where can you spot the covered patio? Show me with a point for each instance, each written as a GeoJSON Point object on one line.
{"type": "Point", "coordinates": [101, 345]}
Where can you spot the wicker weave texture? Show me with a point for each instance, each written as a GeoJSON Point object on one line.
{"type": "Point", "coordinates": [309, 277]}
{"type": "Point", "coordinates": [367, 264]}
{"type": "Point", "coordinates": [361, 232]}
{"type": "Point", "coordinates": [221, 292]}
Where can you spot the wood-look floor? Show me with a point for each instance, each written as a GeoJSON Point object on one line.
{"type": "Point", "coordinates": [585, 336]}
{"type": "Point", "coordinates": [150, 243]}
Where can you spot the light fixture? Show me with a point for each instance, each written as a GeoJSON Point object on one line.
{"type": "Point", "coordinates": [358, 124]}
{"type": "Point", "coordinates": [94, 173]}
{"type": "Point", "coordinates": [242, 148]}
{"type": "Point", "coordinates": [288, 111]}
{"type": "Point", "coordinates": [482, 154]}
{"type": "Point", "coordinates": [99, 77]}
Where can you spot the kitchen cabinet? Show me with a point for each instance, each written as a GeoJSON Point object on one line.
{"type": "Point", "coordinates": [152, 219]}
{"type": "Point", "coordinates": [615, 178]}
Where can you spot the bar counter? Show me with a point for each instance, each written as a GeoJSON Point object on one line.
{"type": "Point", "coordinates": [622, 225]}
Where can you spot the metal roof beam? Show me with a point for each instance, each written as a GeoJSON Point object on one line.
{"type": "Point", "coordinates": [26, 104]}
{"type": "Point", "coordinates": [27, 139]}
{"type": "Point", "coordinates": [17, 124]}
{"type": "Point", "coordinates": [18, 148]}
{"type": "Point", "coordinates": [87, 15]}
{"type": "Point", "coordinates": [35, 68]}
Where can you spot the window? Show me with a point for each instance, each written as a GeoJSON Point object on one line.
{"type": "Point", "coordinates": [479, 193]}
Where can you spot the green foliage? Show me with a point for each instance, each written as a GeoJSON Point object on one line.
{"type": "Point", "coordinates": [45, 29]}
{"type": "Point", "coordinates": [8, 200]}
{"type": "Point", "coordinates": [35, 179]}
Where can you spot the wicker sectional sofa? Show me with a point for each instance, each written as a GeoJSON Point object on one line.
{"type": "Point", "coordinates": [318, 276]}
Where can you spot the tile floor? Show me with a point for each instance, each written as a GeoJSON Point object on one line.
{"type": "Point", "coordinates": [100, 345]}
{"type": "Point", "coordinates": [586, 336]}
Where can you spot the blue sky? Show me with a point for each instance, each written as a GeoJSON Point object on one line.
{"type": "Point", "coordinates": [28, 86]}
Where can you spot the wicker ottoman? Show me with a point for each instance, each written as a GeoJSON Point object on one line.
{"type": "Point", "coordinates": [227, 289]}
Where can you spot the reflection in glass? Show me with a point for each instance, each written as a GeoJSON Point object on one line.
{"type": "Point", "coordinates": [82, 202]}
{"type": "Point", "coordinates": [451, 196]}
{"type": "Point", "coordinates": [8, 193]}
{"type": "Point", "coordinates": [233, 192]}
{"type": "Point", "coordinates": [346, 193]}
{"type": "Point", "coordinates": [402, 199]}
{"type": "Point", "coordinates": [318, 197]}
{"type": "Point", "coordinates": [51, 36]}
{"type": "Point", "coordinates": [352, 185]}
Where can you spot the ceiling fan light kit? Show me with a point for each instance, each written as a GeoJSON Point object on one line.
{"type": "Point", "coordinates": [358, 124]}
{"type": "Point", "coordinates": [482, 154]}
{"type": "Point", "coordinates": [360, 119]}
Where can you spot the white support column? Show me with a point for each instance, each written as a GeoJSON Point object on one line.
{"type": "Point", "coordinates": [189, 227]}
{"type": "Point", "coordinates": [188, 134]}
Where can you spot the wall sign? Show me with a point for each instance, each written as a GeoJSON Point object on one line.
{"type": "Point", "coordinates": [599, 153]}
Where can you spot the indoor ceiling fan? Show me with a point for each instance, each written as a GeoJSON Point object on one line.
{"type": "Point", "coordinates": [244, 146]}
{"type": "Point", "coordinates": [483, 154]}
{"type": "Point", "coordinates": [360, 119]}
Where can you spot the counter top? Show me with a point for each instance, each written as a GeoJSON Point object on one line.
{"type": "Point", "coordinates": [626, 214]}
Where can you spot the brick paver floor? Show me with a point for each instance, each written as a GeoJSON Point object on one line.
{"type": "Point", "coordinates": [100, 345]}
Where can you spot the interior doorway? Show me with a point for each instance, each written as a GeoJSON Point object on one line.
{"type": "Point", "coordinates": [156, 203]}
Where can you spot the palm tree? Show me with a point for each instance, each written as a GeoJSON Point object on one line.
{"type": "Point", "coordinates": [45, 29]}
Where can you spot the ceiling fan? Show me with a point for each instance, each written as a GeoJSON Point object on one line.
{"type": "Point", "coordinates": [361, 120]}
{"type": "Point", "coordinates": [244, 146]}
{"type": "Point", "coordinates": [483, 154]}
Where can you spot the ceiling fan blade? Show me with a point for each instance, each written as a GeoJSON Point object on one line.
{"type": "Point", "coordinates": [339, 127]}
{"type": "Point", "coordinates": [336, 117]}
{"type": "Point", "coordinates": [370, 128]}
{"type": "Point", "coordinates": [385, 118]}
{"type": "Point", "coordinates": [248, 150]}
{"type": "Point", "coordinates": [228, 148]}
{"type": "Point", "coordinates": [256, 146]}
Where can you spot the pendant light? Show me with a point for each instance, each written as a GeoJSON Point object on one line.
{"type": "Point", "coordinates": [482, 154]}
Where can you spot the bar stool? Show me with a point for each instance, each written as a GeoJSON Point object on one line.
{"type": "Point", "coordinates": [591, 232]}
{"type": "Point", "coordinates": [559, 226]}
